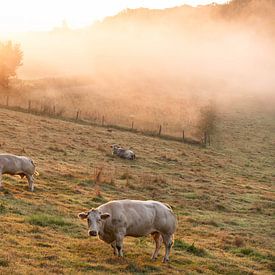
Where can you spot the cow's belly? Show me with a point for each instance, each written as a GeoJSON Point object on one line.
{"type": "Point", "coordinates": [12, 171]}
{"type": "Point", "coordinates": [140, 233]}
{"type": "Point", "coordinates": [139, 230]}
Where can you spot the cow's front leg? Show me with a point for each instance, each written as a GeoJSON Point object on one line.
{"type": "Point", "coordinates": [168, 241]}
{"type": "Point", "coordinates": [30, 181]}
{"type": "Point", "coordinates": [119, 244]}
{"type": "Point", "coordinates": [113, 244]}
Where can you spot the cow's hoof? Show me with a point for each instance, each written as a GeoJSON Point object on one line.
{"type": "Point", "coordinates": [165, 260]}
{"type": "Point", "coordinates": [153, 259]}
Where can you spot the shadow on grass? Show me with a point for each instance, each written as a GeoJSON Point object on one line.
{"type": "Point", "coordinates": [254, 254]}
{"type": "Point", "coordinates": [4, 263]}
{"type": "Point", "coordinates": [56, 222]}
{"type": "Point", "coordinates": [48, 220]}
{"type": "Point", "coordinates": [192, 249]}
{"type": "Point", "coordinates": [137, 269]}
{"type": "Point", "coordinates": [2, 209]}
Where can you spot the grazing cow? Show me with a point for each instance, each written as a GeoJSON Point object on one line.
{"type": "Point", "coordinates": [123, 153]}
{"type": "Point", "coordinates": [17, 165]}
{"type": "Point", "coordinates": [114, 220]}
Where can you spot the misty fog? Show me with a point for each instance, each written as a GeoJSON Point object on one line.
{"type": "Point", "coordinates": [155, 66]}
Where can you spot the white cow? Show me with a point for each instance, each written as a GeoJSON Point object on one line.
{"type": "Point", "coordinates": [114, 220]}
{"type": "Point", "coordinates": [122, 152]}
{"type": "Point", "coordinates": [17, 165]}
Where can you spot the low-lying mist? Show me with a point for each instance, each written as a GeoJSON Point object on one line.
{"type": "Point", "coordinates": [154, 67]}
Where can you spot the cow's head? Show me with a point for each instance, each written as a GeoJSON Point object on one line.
{"type": "Point", "coordinates": [115, 149]}
{"type": "Point", "coordinates": [94, 218]}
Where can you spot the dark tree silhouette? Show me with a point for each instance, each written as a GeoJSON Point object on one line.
{"type": "Point", "coordinates": [206, 124]}
{"type": "Point", "coordinates": [10, 59]}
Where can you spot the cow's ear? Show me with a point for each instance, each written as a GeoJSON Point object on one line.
{"type": "Point", "coordinates": [83, 215]}
{"type": "Point", "coordinates": [105, 216]}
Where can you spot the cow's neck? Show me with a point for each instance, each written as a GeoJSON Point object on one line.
{"type": "Point", "coordinates": [105, 234]}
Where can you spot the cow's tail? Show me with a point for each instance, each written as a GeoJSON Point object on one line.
{"type": "Point", "coordinates": [173, 239]}
{"type": "Point", "coordinates": [169, 206]}
{"type": "Point", "coordinates": [176, 216]}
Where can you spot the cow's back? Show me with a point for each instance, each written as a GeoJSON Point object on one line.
{"type": "Point", "coordinates": [9, 163]}
{"type": "Point", "coordinates": [13, 164]}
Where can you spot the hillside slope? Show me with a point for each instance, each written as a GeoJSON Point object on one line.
{"type": "Point", "coordinates": [223, 197]}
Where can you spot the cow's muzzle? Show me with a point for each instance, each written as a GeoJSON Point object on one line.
{"type": "Point", "coordinates": [92, 233]}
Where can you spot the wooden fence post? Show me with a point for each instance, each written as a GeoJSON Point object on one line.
{"type": "Point", "coordinates": [205, 138]}
{"type": "Point", "coordinates": [183, 135]}
{"type": "Point", "coordinates": [159, 130]}
{"type": "Point", "coordinates": [102, 121]}
{"type": "Point", "coordinates": [132, 126]}
{"type": "Point", "coordinates": [29, 106]}
{"type": "Point", "coordinates": [54, 110]}
{"type": "Point", "coordinates": [77, 115]}
{"type": "Point", "coordinates": [208, 139]}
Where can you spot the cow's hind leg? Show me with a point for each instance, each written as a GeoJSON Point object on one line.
{"type": "Point", "coordinates": [158, 239]}
{"type": "Point", "coordinates": [30, 181]}
{"type": "Point", "coordinates": [168, 241]}
{"type": "Point", "coordinates": [113, 244]}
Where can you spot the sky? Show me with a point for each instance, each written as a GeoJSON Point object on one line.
{"type": "Point", "coordinates": [44, 15]}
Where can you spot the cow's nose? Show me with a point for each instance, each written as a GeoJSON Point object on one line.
{"type": "Point", "coordinates": [92, 233]}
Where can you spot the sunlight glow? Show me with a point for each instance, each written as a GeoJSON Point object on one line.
{"type": "Point", "coordinates": [44, 15]}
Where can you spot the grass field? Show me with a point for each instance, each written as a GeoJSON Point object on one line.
{"type": "Point", "coordinates": [223, 197]}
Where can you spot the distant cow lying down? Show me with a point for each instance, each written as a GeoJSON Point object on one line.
{"type": "Point", "coordinates": [123, 153]}
{"type": "Point", "coordinates": [17, 165]}
{"type": "Point", "coordinates": [114, 220]}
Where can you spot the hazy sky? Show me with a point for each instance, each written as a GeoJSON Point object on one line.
{"type": "Point", "coordinates": [25, 15]}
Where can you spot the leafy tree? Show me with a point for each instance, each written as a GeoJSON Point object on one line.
{"type": "Point", "coordinates": [10, 59]}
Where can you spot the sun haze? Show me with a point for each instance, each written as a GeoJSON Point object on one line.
{"type": "Point", "coordinates": [187, 95]}
{"type": "Point", "coordinates": [33, 15]}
